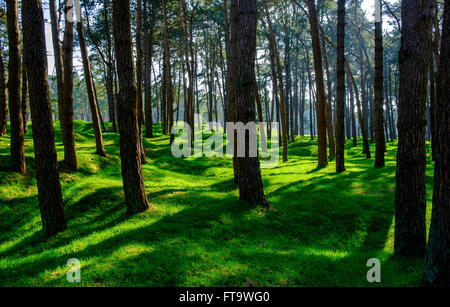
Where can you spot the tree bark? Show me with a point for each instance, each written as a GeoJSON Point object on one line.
{"type": "Point", "coordinates": [340, 94]}
{"type": "Point", "coordinates": [24, 99]}
{"type": "Point", "coordinates": [133, 181]}
{"type": "Point", "coordinates": [139, 57]}
{"type": "Point", "coordinates": [35, 58]}
{"type": "Point", "coordinates": [410, 194]}
{"type": "Point", "coordinates": [320, 87]}
{"type": "Point", "coordinates": [100, 150]}
{"type": "Point", "coordinates": [168, 79]}
{"type": "Point", "coordinates": [3, 96]}
{"type": "Point", "coordinates": [250, 181]}
{"type": "Point", "coordinates": [378, 88]}
{"type": "Point", "coordinates": [328, 113]}
{"type": "Point", "coordinates": [437, 260]}
{"type": "Point", "coordinates": [15, 103]}
{"type": "Point", "coordinates": [280, 81]}
{"type": "Point", "coordinates": [57, 55]}
{"type": "Point", "coordinates": [70, 156]}
{"type": "Point", "coordinates": [148, 45]}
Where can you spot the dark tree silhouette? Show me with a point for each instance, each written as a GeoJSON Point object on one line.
{"type": "Point", "coordinates": [15, 103]}
{"type": "Point", "coordinates": [70, 156]}
{"type": "Point", "coordinates": [3, 96]}
{"type": "Point", "coordinates": [437, 260]}
{"type": "Point", "coordinates": [378, 88]}
{"type": "Point", "coordinates": [35, 58]}
{"type": "Point", "coordinates": [340, 95]}
{"type": "Point", "coordinates": [250, 181]}
{"type": "Point", "coordinates": [133, 182]}
{"type": "Point", "coordinates": [410, 194]}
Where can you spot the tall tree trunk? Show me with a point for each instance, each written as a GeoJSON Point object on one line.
{"type": "Point", "coordinates": [328, 112]}
{"type": "Point", "coordinates": [352, 111]}
{"type": "Point", "coordinates": [250, 181]}
{"type": "Point", "coordinates": [168, 80]}
{"type": "Point", "coordinates": [3, 96]}
{"type": "Point", "coordinates": [68, 135]}
{"type": "Point", "coordinates": [24, 99]}
{"type": "Point", "coordinates": [139, 56]}
{"type": "Point", "coordinates": [437, 260]}
{"type": "Point", "coordinates": [280, 81]}
{"type": "Point", "coordinates": [320, 87]}
{"type": "Point", "coordinates": [133, 181]}
{"type": "Point", "coordinates": [378, 87]}
{"type": "Point", "coordinates": [188, 52]}
{"type": "Point", "coordinates": [340, 93]}
{"type": "Point", "coordinates": [148, 45]}
{"type": "Point", "coordinates": [57, 55]}
{"type": "Point", "coordinates": [100, 150]}
{"type": "Point", "coordinates": [15, 104]}
{"type": "Point", "coordinates": [35, 58]}
{"type": "Point", "coordinates": [410, 194]}
{"type": "Point", "coordinates": [233, 70]}
{"type": "Point", "coordinates": [110, 80]}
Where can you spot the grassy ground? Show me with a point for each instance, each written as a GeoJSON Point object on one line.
{"type": "Point", "coordinates": [324, 230]}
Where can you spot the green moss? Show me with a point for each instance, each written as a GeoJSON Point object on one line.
{"type": "Point", "coordinates": [324, 229]}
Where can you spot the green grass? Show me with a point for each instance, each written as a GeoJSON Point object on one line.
{"type": "Point", "coordinates": [324, 229]}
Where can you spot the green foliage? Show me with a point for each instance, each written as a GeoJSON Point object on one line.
{"type": "Point", "coordinates": [324, 229]}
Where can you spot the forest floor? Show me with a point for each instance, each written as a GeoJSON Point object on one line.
{"type": "Point", "coordinates": [324, 229]}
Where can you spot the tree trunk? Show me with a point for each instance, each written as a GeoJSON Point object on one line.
{"type": "Point", "coordinates": [320, 87]}
{"type": "Point", "coordinates": [24, 99]}
{"type": "Point", "coordinates": [437, 260]}
{"type": "Point", "coordinates": [280, 81]}
{"type": "Point", "coordinates": [70, 156]}
{"type": "Point", "coordinates": [15, 104]}
{"type": "Point", "coordinates": [328, 113]}
{"type": "Point", "coordinates": [110, 70]}
{"type": "Point", "coordinates": [133, 181]}
{"type": "Point", "coordinates": [410, 194]}
{"type": "Point", "coordinates": [139, 56]}
{"type": "Point", "coordinates": [57, 55]}
{"type": "Point", "coordinates": [3, 97]}
{"type": "Point", "coordinates": [250, 181]}
{"type": "Point", "coordinates": [100, 150]}
{"type": "Point", "coordinates": [148, 45]}
{"type": "Point", "coordinates": [35, 58]}
{"type": "Point", "coordinates": [378, 88]}
{"type": "Point", "coordinates": [168, 80]}
{"type": "Point", "coordinates": [340, 93]}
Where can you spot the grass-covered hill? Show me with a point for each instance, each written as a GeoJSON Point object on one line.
{"type": "Point", "coordinates": [324, 228]}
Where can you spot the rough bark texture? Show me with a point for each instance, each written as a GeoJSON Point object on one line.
{"type": "Point", "coordinates": [437, 260]}
{"type": "Point", "coordinates": [410, 194]}
{"type": "Point", "coordinates": [15, 103]}
{"type": "Point", "coordinates": [378, 88]}
{"type": "Point", "coordinates": [250, 181]}
{"type": "Point", "coordinates": [57, 55]}
{"type": "Point", "coordinates": [133, 182]}
{"type": "Point", "coordinates": [340, 95]}
{"type": "Point", "coordinates": [328, 112]}
{"type": "Point", "coordinates": [139, 57]}
{"type": "Point", "coordinates": [320, 87]}
{"type": "Point", "coordinates": [24, 99]}
{"type": "Point", "coordinates": [284, 126]}
{"type": "Point", "coordinates": [3, 96]}
{"type": "Point", "coordinates": [233, 68]}
{"type": "Point", "coordinates": [168, 77]}
{"type": "Point", "coordinates": [35, 58]}
{"type": "Point", "coordinates": [68, 135]}
{"type": "Point", "coordinates": [188, 51]}
{"type": "Point", "coordinates": [100, 150]}
{"type": "Point", "coordinates": [148, 46]}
